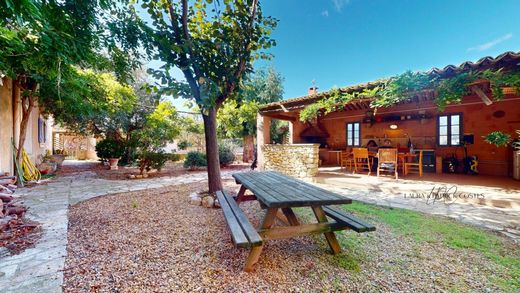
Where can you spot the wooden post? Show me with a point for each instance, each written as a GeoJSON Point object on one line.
{"type": "Point", "coordinates": [482, 95]}
{"type": "Point", "coordinates": [263, 137]}
{"type": "Point", "coordinates": [257, 250]}
{"type": "Point", "coordinates": [291, 217]}
{"type": "Point", "coordinates": [330, 236]}
{"type": "Point", "coordinates": [291, 132]}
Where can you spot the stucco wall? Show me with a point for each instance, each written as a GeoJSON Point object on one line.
{"type": "Point", "coordinates": [297, 160]}
{"type": "Point", "coordinates": [6, 126]}
{"type": "Point", "coordinates": [11, 114]}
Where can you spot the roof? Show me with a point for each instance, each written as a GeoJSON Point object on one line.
{"type": "Point", "coordinates": [504, 60]}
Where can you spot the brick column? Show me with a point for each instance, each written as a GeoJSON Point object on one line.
{"type": "Point", "coordinates": [263, 137]}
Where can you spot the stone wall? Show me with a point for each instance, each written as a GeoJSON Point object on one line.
{"type": "Point", "coordinates": [297, 160]}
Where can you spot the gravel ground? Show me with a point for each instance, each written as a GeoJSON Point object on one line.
{"type": "Point", "coordinates": [154, 241]}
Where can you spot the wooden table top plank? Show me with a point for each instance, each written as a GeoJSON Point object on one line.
{"type": "Point", "coordinates": [262, 191]}
{"type": "Point", "coordinates": [266, 186]}
{"type": "Point", "coordinates": [305, 188]}
{"type": "Point", "coordinates": [297, 188]}
{"type": "Point", "coordinates": [313, 192]}
{"type": "Point", "coordinates": [277, 190]}
{"type": "Point", "coordinates": [316, 191]}
{"type": "Point", "coordinates": [244, 179]}
{"type": "Point", "coordinates": [282, 189]}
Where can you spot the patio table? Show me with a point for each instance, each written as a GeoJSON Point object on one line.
{"type": "Point", "coordinates": [338, 153]}
{"type": "Point", "coordinates": [403, 157]}
{"type": "Point", "coordinates": [279, 194]}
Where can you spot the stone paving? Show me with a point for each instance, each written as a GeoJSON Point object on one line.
{"type": "Point", "coordinates": [40, 269]}
{"type": "Point", "coordinates": [499, 212]}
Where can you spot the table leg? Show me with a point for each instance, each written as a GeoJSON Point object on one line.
{"type": "Point", "coordinates": [330, 236]}
{"type": "Point", "coordinates": [255, 252]}
{"type": "Point", "coordinates": [291, 217]}
{"type": "Point", "coordinates": [241, 193]}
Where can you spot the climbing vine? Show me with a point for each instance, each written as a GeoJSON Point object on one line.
{"type": "Point", "coordinates": [402, 87]}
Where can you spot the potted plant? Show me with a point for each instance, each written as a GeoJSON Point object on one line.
{"type": "Point", "coordinates": [58, 157]}
{"type": "Point", "coordinates": [110, 150]}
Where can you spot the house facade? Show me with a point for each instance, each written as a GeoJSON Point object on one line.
{"type": "Point", "coordinates": [39, 130]}
{"type": "Point", "coordinates": [452, 134]}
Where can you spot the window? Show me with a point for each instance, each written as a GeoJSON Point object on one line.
{"type": "Point", "coordinates": [353, 134]}
{"type": "Point", "coordinates": [449, 130]}
{"type": "Point", "coordinates": [42, 131]}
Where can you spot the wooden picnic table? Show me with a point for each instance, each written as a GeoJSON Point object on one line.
{"type": "Point", "coordinates": [278, 195]}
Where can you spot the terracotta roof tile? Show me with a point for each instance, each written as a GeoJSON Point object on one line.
{"type": "Point", "coordinates": [507, 59]}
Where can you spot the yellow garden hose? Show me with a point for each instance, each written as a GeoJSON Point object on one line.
{"type": "Point", "coordinates": [30, 172]}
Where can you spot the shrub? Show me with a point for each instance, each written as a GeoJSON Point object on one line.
{"type": "Point", "coordinates": [110, 149]}
{"type": "Point", "coordinates": [195, 159]}
{"type": "Point", "coordinates": [225, 155]}
{"type": "Point", "coordinates": [174, 157]}
{"type": "Point", "coordinates": [184, 145]}
{"type": "Point", "coordinates": [198, 159]}
{"type": "Point", "coordinates": [151, 160]}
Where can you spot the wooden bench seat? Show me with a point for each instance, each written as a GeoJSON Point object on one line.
{"type": "Point", "coordinates": [352, 222]}
{"type": "Point", "coordinates": [243, 233]}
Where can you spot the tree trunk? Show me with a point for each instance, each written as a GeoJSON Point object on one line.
{"type": "Point", "coordinates": [210, 133]}
{"type": "Point", "coordinates": [27, 105]}
{"type": "Point", "coordinates": [249, 149]}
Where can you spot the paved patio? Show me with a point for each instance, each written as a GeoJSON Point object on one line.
{"type": "Point", "coordinates": [40, 269]}
{"type": "Point", "coordinates": [497, 206]}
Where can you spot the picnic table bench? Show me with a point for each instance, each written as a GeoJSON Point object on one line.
{"type": "Point", "coordinates": [278, 195]}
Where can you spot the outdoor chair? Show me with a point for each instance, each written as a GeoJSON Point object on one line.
{"type": "Point", "coordinates": [416, 167]}
{"type": "Point", "coordinates": [387, 161]}
{"type": "Point", "coordinates": [346, 159]}
{"type": "Point", "coordinates": [361, 160]}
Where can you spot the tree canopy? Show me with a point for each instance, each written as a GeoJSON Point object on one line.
{"type": "Point", "coordinates": [41, 39]}
{"type": "Point", "coordinates": [213, 44]}
{"type": "Point", "coordinates": [237, 118]}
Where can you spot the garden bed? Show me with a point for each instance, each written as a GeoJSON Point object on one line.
{"type": "Point", "coordinates": [171, 169]}
{"type": "Point", "coordinates": [155, 241]}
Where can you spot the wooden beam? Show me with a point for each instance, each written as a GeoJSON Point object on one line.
{"type": "Point", "coordinates": [283, 107]}
{"type": "Point", "coordinates": [282, 117]}
{"type": "Point", "coordinates": [300, 230]}
{"type": "Point", "coordinates": [329, 235]}
{"type": "Point", "coordinates": [482, 95]}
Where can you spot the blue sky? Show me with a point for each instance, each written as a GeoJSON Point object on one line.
{"type": "Point", "coordinates": [344, 42]}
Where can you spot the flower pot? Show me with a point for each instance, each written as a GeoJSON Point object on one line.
{"type": "Point", "coordinates": [509, 90]}
{"type": "Point", "coordinates": [58, 159]}
{"type": "Point", "coordinates": [113, 163]}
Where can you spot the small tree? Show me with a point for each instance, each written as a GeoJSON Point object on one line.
{"type": "Point", "coordinates": [40, 38]}
{"type": "Point", "coordinates": [213, 43]}
{"type": "Point", "coordinates": [237, 118]}
{"type": "Point", "coordinates": [160, 128]}
{"type": "Point", "coordinates": [192, 131]}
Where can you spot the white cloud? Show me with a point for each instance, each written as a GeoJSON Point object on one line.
{"type": "Point", "coordinates": [339, 4]}
{"type": "Point", "coordinates": [325, 13]}
{"type": "Point", "coordinates": [492, 43]}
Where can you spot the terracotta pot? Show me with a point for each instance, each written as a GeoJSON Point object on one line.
{"type": "Point", "coordinates": [113, 163]}
{"type": "Point", "coordinates": [58, 159]}
{"type": "Point", "coordinates": [508, 90]}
